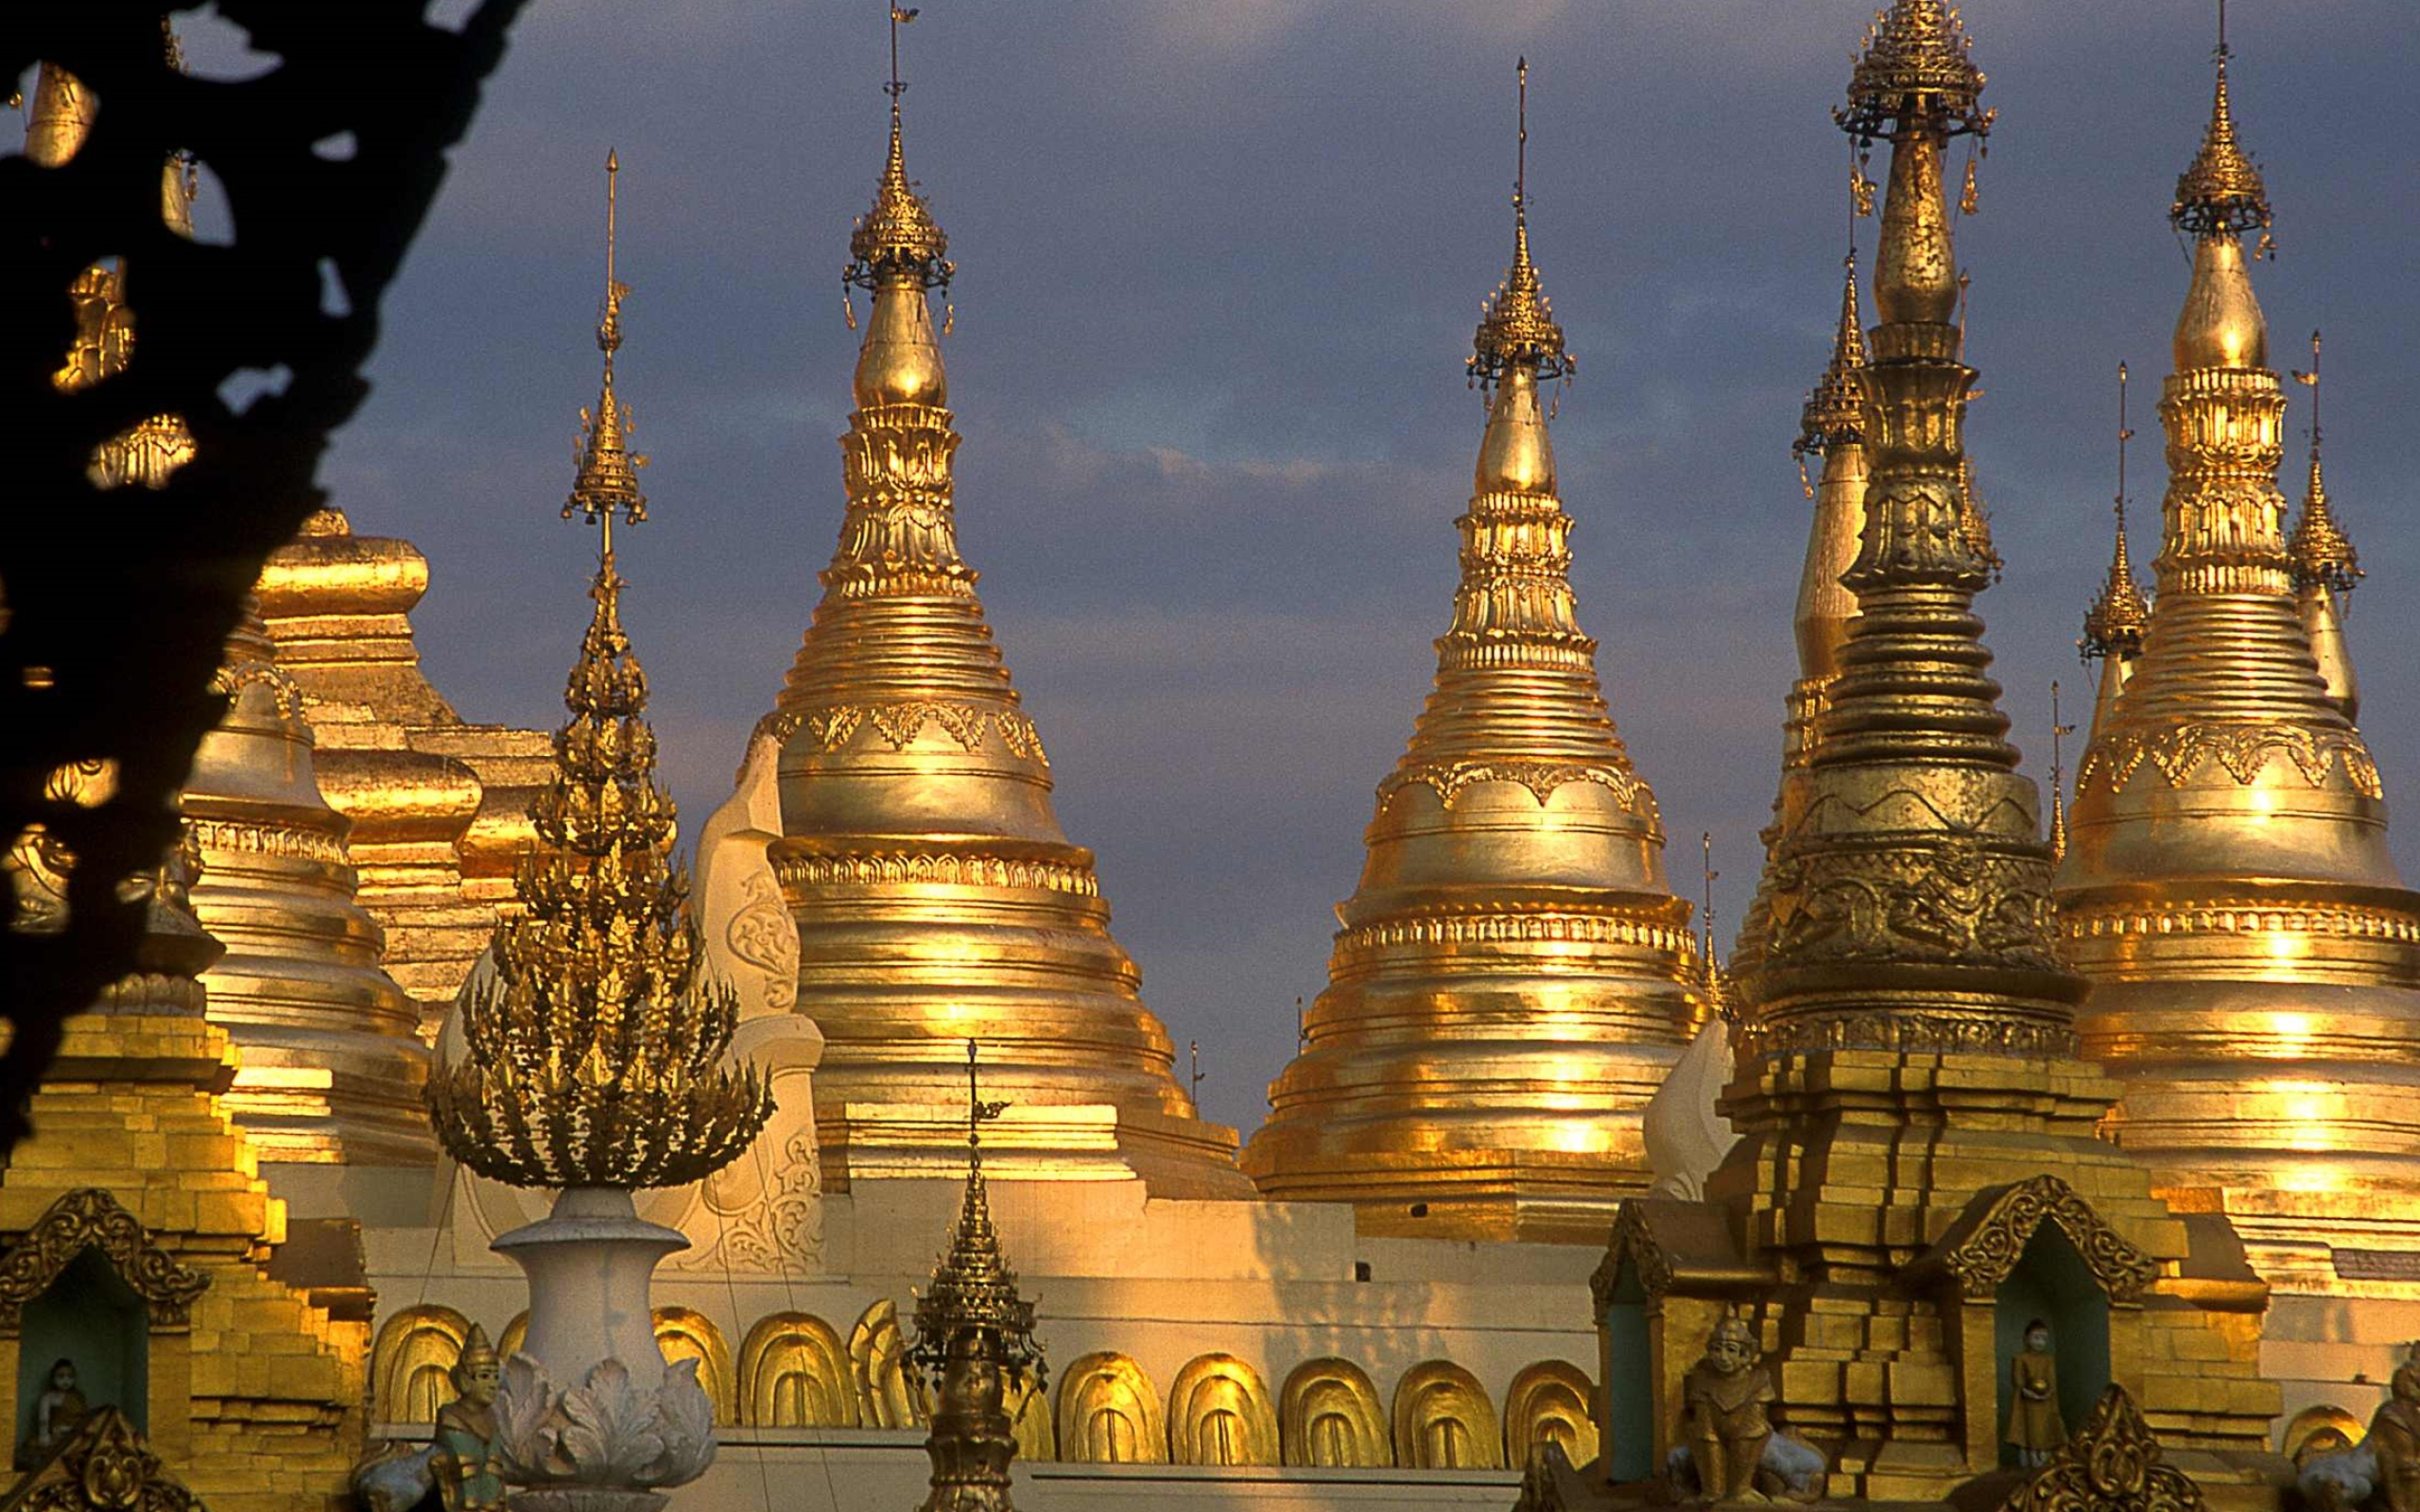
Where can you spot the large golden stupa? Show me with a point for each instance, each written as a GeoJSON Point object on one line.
{"type": "Point", "coordinates": [936, 898]}
{"type": "Point", "coordinates": [2227, 889]}
{"type": "Point", "coordinates": [1511, 979]}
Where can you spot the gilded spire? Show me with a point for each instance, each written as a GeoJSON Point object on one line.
{"type": "Point", "coordinates": [2319, 549]}
{"type": "Point", "coordinates": [1424, 1074]}
{"type": "Point", "coordinates": [595, 1055]}
{"type": "Point", "coordinates": [2220, 193]}
{"type": "Point", "coordinates": [908, 759]}
{"type": "Point", "coordinates": [2114, 625]}
{"type": "Point", "coordinates": [1911, 787]}
{"type": "Point", "coordinates": [975, 1341]}
{"type": "Point", "coordinates": [608, 469]}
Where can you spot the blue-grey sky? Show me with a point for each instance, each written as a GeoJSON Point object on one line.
{"type": "Point", "coordinates": [1219, 261]}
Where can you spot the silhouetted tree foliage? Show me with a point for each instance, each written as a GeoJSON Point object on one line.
{"type": "Point", "coordinates": [117, 601]}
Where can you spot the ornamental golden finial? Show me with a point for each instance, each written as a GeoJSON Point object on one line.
{"type": "Point", "coordinates": [596, 1054]}
{"type": "Point", "coordinates": [1833, 414]}
{"type": "Point", "coordinates": [2220, 193]}
{"type": "Point", "coordinates": [2320, 551]}
{"type": "Point", "coordinates": [1516, 328]}
{"type": "Point", "coordinates": [607, 468]}
{"type": "Point", "coordinates": [975, 1342]}
{"type": "Point", "coordinates": [898, 237]}
{"type": "Point", "coordinates": [2114, 625]}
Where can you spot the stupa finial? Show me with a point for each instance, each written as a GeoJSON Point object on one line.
{"type": "Point", "coordinates": [607, 468]}
{"type": "Point", "coordinates": [2114, 625]}
{"type": "Point", "coordinates": [2319, 552]}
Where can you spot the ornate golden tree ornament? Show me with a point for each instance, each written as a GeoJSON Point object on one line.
{"type": "Point", "coordinates": [2111, 1464]}
{"type": "Point", "coordinates": [595, 1056]}
{"type": "Point", "coordinates": [2112, 627]}
{"type": "Point", "coordinates": [975, 1341]}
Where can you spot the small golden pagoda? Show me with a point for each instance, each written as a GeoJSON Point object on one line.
{"type": "Point", "coordinates": [937, 898]}
{"type": "Point", "coordinates": [440, 806]}
{"type": "Point", "coordinates": [138, 1243]}
{"type": "Point", "coordinates": [2229, 890]}
{"type": "Point", "coordinates": [333, 1061]}
{"type": "Point", "coordinates": [1917, 1177]}
{"type": "Point", "coordinates": [1514, 976]}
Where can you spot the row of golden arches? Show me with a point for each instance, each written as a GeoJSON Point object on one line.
{"type": "Point", "coordinates": [794, 1372]}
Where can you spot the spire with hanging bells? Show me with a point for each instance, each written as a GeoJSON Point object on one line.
{"type": "Point", "coordinates": [935, 894]}
{"type": "Point", "coordinates": [1906, 1062]}
{"type": "Point", "coordinates": [1513, 977]}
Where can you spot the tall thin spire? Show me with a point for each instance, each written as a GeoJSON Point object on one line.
{"type": "Point", "coordinates": [2221, 192]}
{"type": "Point", "coordinates": [2112, 627]}
{"type": "Point", "coordinates": [2321, 551]}
{"type": "Point", "coordinates": [607, 478]}
{"type": "Point", "coordinates": [1508, 1094]}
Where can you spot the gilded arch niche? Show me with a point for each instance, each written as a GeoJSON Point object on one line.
{"type": "Point", "coordinates": [411, 1365]}
{"type": "Point", "coordinates": [794, 1373]}
{"type": "Point", "coordinates": [1443, 1420]}
{"type": "Point", "coordinates": [1548, 1402]}
{"type": "Point", "coordinates": [1109, 1413]}
{"type": "Point", "coordinates": [685, 1334]}
{"type": "Point", "coordinates": [1328, 1418]}
{"type": "Point", "coordinates": [515, 1334]}
{"type": "Point", "coordinates": [887, 1397]}
{"type": "Point", "coordinates": [1219, 1413]}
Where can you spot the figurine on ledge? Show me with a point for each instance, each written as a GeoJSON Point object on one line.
{"type": "Point", "coordinates": [58, 1412]}
{"type": "Point", "coordinates": [2382, 1472]}
{"type": "Point", "coordinates": [2035, 1430]}
{"type": "Point", "coordinates": [460, 1470]}
{"type": "Point", "coordinates": [1732, 1453]}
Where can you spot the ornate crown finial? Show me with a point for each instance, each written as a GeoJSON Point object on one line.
{"type": "Point", "coordinates": [608, 478]}
{"type": "Point", "coordinates": [2220, 193]}
{"type": "Point", "coordinates": [1516, 328]}
{"type": "Point", "coordinates": [1834, 412]}
{"type": "Point", "coordinates": [899, 235]}
{"type": "Point", "coordinates": [2116, 621]}
{"type": "Point", "coordinates": [1914, 70]}
{"type": "Point", "coordinates": [2319, 552]}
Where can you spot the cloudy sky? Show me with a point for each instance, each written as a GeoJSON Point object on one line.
{"type": "Point", "coordinates": [1219, 264]}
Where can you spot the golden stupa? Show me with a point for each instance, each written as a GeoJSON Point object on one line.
{"type": "Point", "coordinates": [1513, 978]}
{"type": "Point", "coordinates": [1917, 1174]}
{"type": "Point", "coordinates": [937, 898]}
{"type": "Point", "coordinates": [2228, 888]}
{"type": "Point", "coordinates": [2112, 626]}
